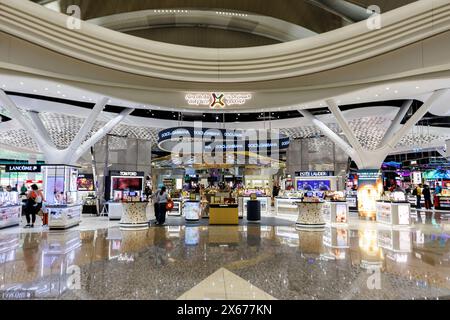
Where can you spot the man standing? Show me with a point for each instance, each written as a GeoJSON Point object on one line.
{"type": "Point", "coordinates": [418, 193]}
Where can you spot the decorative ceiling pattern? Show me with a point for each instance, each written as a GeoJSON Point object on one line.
{"type": "Point", "coordinates": [370, 130]}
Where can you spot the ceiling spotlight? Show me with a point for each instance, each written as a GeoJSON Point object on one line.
{"type": "Point", "coordinates": [21, 83]}
{"type": "Point", "coordinates": [58, 86]}
{"type": "Point", "coordinates": [417, 87]}
{"type": "Point", "coordinates": [376, 95]}
{"type": "Point", "coordinates": [3, 85]}
{"type": "Point", "coordinates": [34, 90]}
{"type": "Point", "coordinates": [396, 91]}
{"type": "Point", "coordinates": [387, 88]}
{"type": "Point", "coordinates": [46, 89]}
{"type": "Point", "coordinates": [58, 92]}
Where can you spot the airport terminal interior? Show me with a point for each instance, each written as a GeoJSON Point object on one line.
{"type": "Point", "coordinates": [225, 149]}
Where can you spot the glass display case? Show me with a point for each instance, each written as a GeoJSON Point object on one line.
{"type": "Point", "coordinates": [10, 209]}
{"type": "Point", "coordinates": [61, 195]}
{"type": "Point", "coordinates": [393, 213]}
{"type": "Point", "coordinates": [286, 202]}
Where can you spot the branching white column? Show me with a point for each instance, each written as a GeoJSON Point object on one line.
{"type": "Point", "coordinates": [52, 154]}
{"type": "Point", "coordinates": [34, 116]}
{"type": "Point", "coordinates": [396, 123]}
{"type": "Point", "coordinates": [26, 124]}
{"type": "Point", "coordinates": [373, 159]}
{"type": "Point", "coordinates": [334, 108]}
{"type": "Point", "coordinates": [333, 136]}
{"type": "Point", "coordinates": [99, 135]}
{"type": "Point", "coordinates": [87, 125]}
{"type": "Point", "coordinates": [438, 94]}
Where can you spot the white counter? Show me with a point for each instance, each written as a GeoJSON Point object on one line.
{"type": "Point", "coordinates": [10, 215]}
{"type": "Point", "coordinates": [64, 216]}
{"type": "Point", "coordinates": [115, 210]}
{"type": "Point", "coordinates": [286, 205]}
{"type": "Point", "coordinates": [393, 213]}
{"type": "Point", "coordinates": [310, 216]}
{"type": "Point", "coordinates": [335, 212]}
{"type": "Point", "coordinates": [134, 215]}
{"type": "Point", "coordinates": [177, 206]}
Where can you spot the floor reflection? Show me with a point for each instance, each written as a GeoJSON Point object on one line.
{"type": "Point", "coordinates": [284, 263]}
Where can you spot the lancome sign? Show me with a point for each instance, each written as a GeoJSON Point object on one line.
{"type": "Point", "coordinates": [23, 168]}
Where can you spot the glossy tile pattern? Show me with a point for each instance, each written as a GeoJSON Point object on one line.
{"type": "Point", "coordinates": [361, 261]}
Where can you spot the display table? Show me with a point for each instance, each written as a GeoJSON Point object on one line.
{"type": "Point", "coordinates": [192, 210]}
{"type": "Point", "coordinates": [444, 203]}
{"type": "Point", "coordinates": [64, 216]}
{"type": "Point", "coordinates": [310, 216]}
{"type": "Point", "coordinates": [335, 211]}
{"type": "Point", "coordinates": [393, 213]}
{"type": "Point", "coordinates": [115, 210]}
{"type": "Point", "coordinates": [10, 215]}
{"type": "Point", "coordinates": [265, 205]}
{"type": "Point", "coordinates": [224, 214]}
{"type": "Point", "coordinates": [177, 206]}
{"type": "Point", "coordinates": [286, 205]}
{"type": "Point", "coordinates": [134, 215]}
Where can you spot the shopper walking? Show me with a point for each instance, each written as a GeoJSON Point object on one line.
{"type": "Point", "coordinates": [418, 193]}
{"type": "Point", "coordinates": [162, 198]}
{"type": "Point", "coordinates": [33, 205]}
{"type": "Point", "coordinates": [427, 197]}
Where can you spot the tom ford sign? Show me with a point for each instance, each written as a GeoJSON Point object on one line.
{"type": "Point", "coordinates": [23, 168]}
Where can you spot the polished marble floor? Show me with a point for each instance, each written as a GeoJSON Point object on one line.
{"type": "Point", "coordinates": [361, 260]}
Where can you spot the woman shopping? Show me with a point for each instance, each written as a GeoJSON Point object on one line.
{"type": "Point", "coordinates": [162, 198]}
{"type": "Point", "coordinates": [33, 205]}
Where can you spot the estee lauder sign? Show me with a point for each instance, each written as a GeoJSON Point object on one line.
{"type": "Point", "coordinates": [314, 173]}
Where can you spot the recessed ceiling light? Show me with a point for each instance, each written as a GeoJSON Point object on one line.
{"type": "Point", "coordinates": [21, 83]}
{"type": "Point", "coordinates": [58, 86]}
{"type": "Point", "coordinates": [58, 92]}
{"type": "Point", "coordinates": [387, 88]}
{"type": "Point", "coordinates": [417, 87]}
{"type": "Point", "coordinates": [35, 90]}
{"type": "Point", "coordinates": [4, 86]}
{"type": "Point", "coordinates": [396, 91]}
{"type": "Point", "coordinates": [46, 89]}
{"type": "Point", "coordinates": [64, 95]}
{"type": "Point", "coordinates": [376, 95]}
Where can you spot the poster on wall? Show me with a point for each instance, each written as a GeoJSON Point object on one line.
{"type": "Point", "coordinates": [313, 185]}
{"type": "Point", "coordinates": [370, 188]}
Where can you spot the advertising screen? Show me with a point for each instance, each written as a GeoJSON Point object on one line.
{"type": "Point", "coordinates": [313, 185]}
{"type": "Point", "coordinates": [370, 188]}
{"type": "Point", "coordinates": [127, 183]}
{"type": "Point", "coordinates": [85, 183]}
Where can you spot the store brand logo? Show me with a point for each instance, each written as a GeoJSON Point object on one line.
{"type": "Point", "coordinates": [217, 99]}
{"type": "Point", "coordinates": [23, 168]}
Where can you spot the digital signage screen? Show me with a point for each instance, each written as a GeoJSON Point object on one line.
{"type": "Point", "coordinates": [313, 185]}
{"type": "Point", "coordinates": [127, 184]}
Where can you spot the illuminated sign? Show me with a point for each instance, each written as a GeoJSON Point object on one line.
{"type": "Point", "coordinates": [23, 168]}
{"type": "Point", "coordinates": [217, 99]}
{"type": "Point", "coordinates": [314, 173]}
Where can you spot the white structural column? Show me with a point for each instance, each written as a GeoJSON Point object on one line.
{"type": "Point", "coordinates": [34, 116]}
{"type": "Point", "coordinates": [334, 108]}
{"type": "Point", "coordinates": [438, 94]}
{"type": "Point", "coordinates": [396, 123]}
{"type": "Point", "coordinates": [100, 134]}
{"type": "Point", "coordinates": [88, 124]}
{"type": "Point", "coordinates": [333, 136]}
{"type": "Point", "coordinates": [37, 131]}
{"type": "Point", "coordinates": [373, 159]}
{"type": "Point", "coordinates": [26, 124]}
